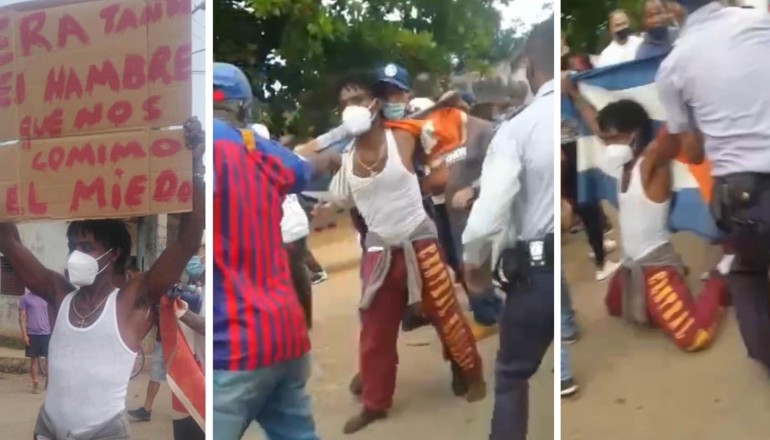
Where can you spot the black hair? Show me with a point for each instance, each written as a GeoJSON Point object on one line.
{"type": "Point", "coordinates": [627, 116]}
{"type": "Point", "coordinates": [363, 79]}
{"type": "Point", "coordinates": [112, 234]}
{"type": "Point", "coordinates": [540, 45]}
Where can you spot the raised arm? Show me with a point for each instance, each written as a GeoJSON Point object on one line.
{"type": "Point", "coordinates": [586, 110]}
{"type": "Point", "coordinates": [195, 322]}
{"type": "Point", "coordinates": [51, 286]}
{"type": "Point", "coordinates": [191, 319]}
{"type": "Point", "coordinates": [305, 165]}
{"type": "Point", "coordinates": [162, 276]}
{"type": "Point", "coordinates": [681, 132]}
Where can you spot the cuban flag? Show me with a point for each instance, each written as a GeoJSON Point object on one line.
{"type": "Point", "coordinates": [635, 80]}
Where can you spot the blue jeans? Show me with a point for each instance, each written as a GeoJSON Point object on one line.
{"type": "Point", "coordinates": [274, 397]}
{"type": "Point", "coordinates": [567, 314]}
{"type": "Point", "coordinates": [567, 327]}
{"type": "Point", "coordinates": [566, 372]}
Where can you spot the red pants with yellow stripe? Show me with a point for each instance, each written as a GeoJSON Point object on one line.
{"type": "Point", "coordinates": [378, 355]}
{"type": "Point", "coordinates": [691, 323]}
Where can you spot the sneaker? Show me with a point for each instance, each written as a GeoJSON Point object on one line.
{"type": "Point", "coordinates": [607, 271]}
{"type": "Point", "coordinates": [725, 264]}
{"type": "Point", "coordinates": [568, 387]}
{"type": "Point", "coordinates": [140, 414]}
{"type": "Point", "coordinates": [609, 247]}
{"type": "Point", "coordinates": [570, 339]}
{"type": "Point", "coordinates": [575, 228]}
{"type": "Point", "coordinates": [319, 277]}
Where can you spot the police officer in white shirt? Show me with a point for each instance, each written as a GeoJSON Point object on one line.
{"type": "Point", "coordinates": [711, 87]}
{"type": "Point", "coordinates": [516, 203]}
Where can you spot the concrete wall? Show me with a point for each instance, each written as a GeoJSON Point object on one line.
{"type": "Point", "coordinates": [48, 241]}
{"type": "Point", "coordinates": [9, 316]}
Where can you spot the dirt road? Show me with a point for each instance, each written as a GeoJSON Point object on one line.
{"type": "Point", "coordinates": [19, 407]}
{"type": "Point", "coordinates": [424, 407]}
{"type": "Point", "coordinates": [636, 385]}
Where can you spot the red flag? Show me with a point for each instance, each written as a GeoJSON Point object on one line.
{"type": "Point", "coordinates": [183, 374]}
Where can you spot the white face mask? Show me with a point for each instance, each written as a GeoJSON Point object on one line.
{"type": "Point", "coordinates": [357, 119]}
{"type": "Point", "coordinates": [83, 268]}
{"type": "Point", "coordinates": [617, 155]}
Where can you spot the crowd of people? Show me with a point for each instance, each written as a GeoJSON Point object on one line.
{"type": "Point", "coordinates": [430, 211]}
{"type": "Point", "coordinates": [728, 130]}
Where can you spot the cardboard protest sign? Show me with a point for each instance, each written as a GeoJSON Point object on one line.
{"type": "Point", "coordinates": [88, 91]}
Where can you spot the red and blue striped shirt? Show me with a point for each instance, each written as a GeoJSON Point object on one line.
{"type": "Point", "coordinates": [258, 321]}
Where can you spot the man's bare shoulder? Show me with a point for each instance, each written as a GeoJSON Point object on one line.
{"type": "Point", "coordinates": [404, 138]}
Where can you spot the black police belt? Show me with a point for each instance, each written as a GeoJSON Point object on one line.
{"type": "Point", "coordinates": [733, 198]}
{"type": "Point", "coordinates": [516, 264]}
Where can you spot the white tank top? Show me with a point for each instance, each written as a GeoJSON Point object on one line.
{"type": "Point", "coordinates": [390, 202]}
{"type": "Point", "coordinates": [643, 223]}
{"type": "Point", "coordinates": [88, 370]}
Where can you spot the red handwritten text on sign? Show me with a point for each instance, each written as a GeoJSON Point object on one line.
{"type": "Point", "coordinates": [106, 175]}
{"type": "Point", "coordinates": [70, 73]}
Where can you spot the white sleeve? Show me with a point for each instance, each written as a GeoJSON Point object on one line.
{"type": "Point", "coordinates": [491, 212]}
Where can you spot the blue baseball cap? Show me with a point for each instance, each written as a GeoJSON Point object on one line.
{"type": "Point", "coordinates": [231, 84]}
{"type": "Point", "coordinates": [468, 98]}
{"type": "Point", "coordinates": [394, 74]}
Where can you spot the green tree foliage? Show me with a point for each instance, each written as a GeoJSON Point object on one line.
{"type": "Point", "coordinates": [318, 41]}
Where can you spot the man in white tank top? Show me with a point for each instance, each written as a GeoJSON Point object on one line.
{"type": "Point", "coordinates": [100, 326]}
{"type": "Point", "coordinates": [651, 286]}
{"type": "Point", "coordinates": [402, 263]}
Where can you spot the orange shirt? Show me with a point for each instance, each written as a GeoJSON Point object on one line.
{"type": "Point", "coordinates": [441, 132]}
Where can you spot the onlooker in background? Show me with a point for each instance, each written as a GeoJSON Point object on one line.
{"type": "Point", "coordinates": [624, 43]}
{"type": "Point", "coordinates": [295, 229]}
{"type": "Point", "coordinates": [317, 273]}
{"type": "Point", "coordinates": [132, 272]}
{"type": "Point", "coordinates": [36, 332]}
{"type": "Point", "coordinates": [676, 13]}
{"type": "Point", "coordinates": [591, 214]}
{"type": "Point", "coordinates": [261, 130]}
{"type": "Point", "coordinates": [194, 330]}
{"type": "Point", "coordinates": [658, 38]}
{"type": "Point", "coordinates": [157, 376]}
{"type": "Point", "coordinates": [569, 335]}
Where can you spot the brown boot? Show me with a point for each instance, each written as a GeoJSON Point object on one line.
{"type": "Point", "coordinates": [362, 420]}
{"type": "Point", "coordinates": [355, 386]}
{"type": "Point", "coordinates": [477, 390]}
